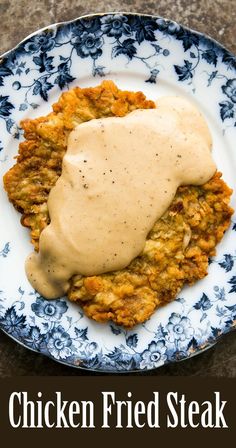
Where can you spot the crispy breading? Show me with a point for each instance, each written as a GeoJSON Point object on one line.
{"type": "Point", "coordinates": [39, 159]}
{"type": "Point", "coordinates": [176, 253]}
{"type": "Point", "coordinates": [177, 248]}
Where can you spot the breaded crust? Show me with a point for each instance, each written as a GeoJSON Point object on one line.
{"type": "Point", "coordinates": [176, 253]}
{"type": "Point", "coordinates": [177, 248]}
{"type": "Point", "coordinates": [39, 159]}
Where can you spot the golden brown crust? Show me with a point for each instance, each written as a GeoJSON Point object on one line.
{"type": "Point", "coordinates": [39, 159]}
{"type": "Point", "coordinates": [176, 253]}
{"type": "Point", "coordinates": [179, 245]}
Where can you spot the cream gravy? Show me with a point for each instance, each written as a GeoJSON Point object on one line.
{"type": "Point", "coordinates": [119, 175]}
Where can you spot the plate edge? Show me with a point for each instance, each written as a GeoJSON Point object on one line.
{"type": "Point", "coordinates": [101, 14]}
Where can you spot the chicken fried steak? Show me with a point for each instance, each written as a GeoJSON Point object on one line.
{"type": "Point", "coordinates": [177, 248]}
{"type": "Point", "coordinates": [39, 160]}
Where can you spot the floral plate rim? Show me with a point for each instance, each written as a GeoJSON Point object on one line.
{"type": "Point", "coordinates": [105, 13]}
{"type": "Point", "coordinates": [198, 349]}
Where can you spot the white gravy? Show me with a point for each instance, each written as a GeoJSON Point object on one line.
{"type": "Point", "coordinates": [119, 176]}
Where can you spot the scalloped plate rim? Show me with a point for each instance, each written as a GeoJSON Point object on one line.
{"type": "Point", "coordinates": [101, 14]}
{"type": "Point", "coordinates": [197, 351]}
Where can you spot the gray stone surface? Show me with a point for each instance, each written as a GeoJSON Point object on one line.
{"type": "Point", "coordinates": [216, 18]}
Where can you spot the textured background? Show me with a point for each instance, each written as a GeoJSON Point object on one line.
{"type": "Point", "coordinates": [217, 18]}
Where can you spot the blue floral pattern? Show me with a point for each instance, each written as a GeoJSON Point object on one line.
{"type": "Point", "coordinates": [49, 61]}
{"type": "Point", "coordinates": [89, 39]}
{"type": "Point", "coordinates": [52, 310]}
{"type": "Point", "coordinates": [179, 328]}
{"type": "Point", "coordinates": [154, 356]}
{"type": "Point", "coordinates": [175, 340]}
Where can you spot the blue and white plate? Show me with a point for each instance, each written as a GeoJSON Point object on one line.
{"type": "Point", "coordinates": [158, 57]}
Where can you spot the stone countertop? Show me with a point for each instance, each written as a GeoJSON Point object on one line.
{"type": "Point", "coordinates": [216, 18]}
